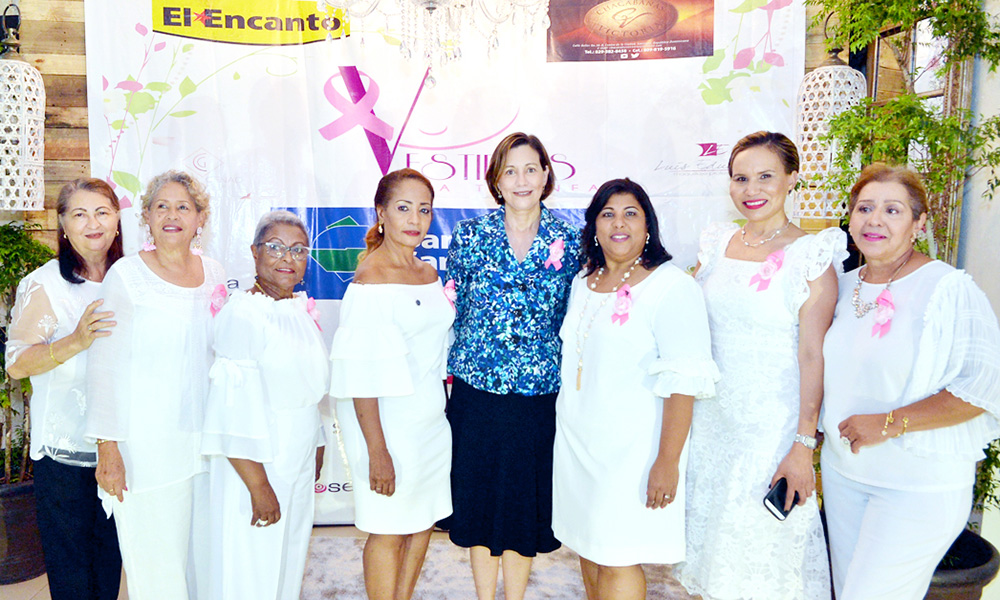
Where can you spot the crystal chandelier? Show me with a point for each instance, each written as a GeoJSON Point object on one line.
{"type": "Point", "coordinates": [434, 31]}
{"type": "Point", "coordinates": [22, 128]}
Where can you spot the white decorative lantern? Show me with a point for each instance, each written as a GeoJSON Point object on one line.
{"type": "Point", "coordinates": [825, 92]}
{"type": "Point", "coordinates": [22, 133]}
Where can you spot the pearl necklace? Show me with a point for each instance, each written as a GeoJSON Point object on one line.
{"type": "Point", "coordinates": [863, 308]}
{"type": "Point", "coordinates": [582, 335]}
{"type": "Point", "coordinates": [743, 235]}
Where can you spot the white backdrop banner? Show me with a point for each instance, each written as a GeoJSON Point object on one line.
{"type": "Point", "coordinates": [273, 103]}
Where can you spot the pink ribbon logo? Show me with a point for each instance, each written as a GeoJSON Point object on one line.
{"type": "Point", "coordinates": [883, 314]}
{"type": "Point", "coordinates": [557, 250]}
{"type": "Point", "coordinates": [623, 303]}
{"type": "Point", "coordinates": [313, 311]}
{"type": "Point", "coordinates": [359, 110]}
{"type": "Point", "coordinates": [450, 293]}
{"type": "Point", "coordinates": [770, 266]}
{"type": "Point", "coordinates": [218, 300]}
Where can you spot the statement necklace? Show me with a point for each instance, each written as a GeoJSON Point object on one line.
{"type": "Point", "coordinates": [582, 335]}
{"type": "Point", "coordinates": [743, 235]}
{"type": "Point", "coordinates": [863, 308]}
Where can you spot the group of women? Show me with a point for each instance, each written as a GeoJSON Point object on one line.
{"type": "Point", "coordinates": [601, 397]}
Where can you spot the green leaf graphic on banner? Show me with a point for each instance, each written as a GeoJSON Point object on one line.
{"type": "Point", "coordinates": [183, 113]}
{"type": "Point", "coordinates": [187, 87]}
{"type": "Point", "coordinates": [118, 125]}
{"type": "Point", "coordinates": [748, 5]}
{"type": "Point", "coordinates": [158, 86]}
{"type": "Point", "coordinates": [712, 62]}
{"type": "Point", "coordinates": [716, 90]}
{"type": "Point", "coordinates": [127, 180]}
{"type": "Point", "coordinates": [236, 76]}
{"type": "Point", "coordinates": [761, 67]}
{"type": "Point", "coordinates": [140, 102]}
{"type": "Point", "coordinates": [187, 47]}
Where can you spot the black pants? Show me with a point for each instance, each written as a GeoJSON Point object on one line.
{"type": "Point", "coordinates": [79, 542]}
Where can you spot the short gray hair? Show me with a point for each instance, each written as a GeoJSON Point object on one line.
{"type": "Point", "coordinates": [277, 217]}
{"type": "Point", "coordinates": [193, 187]}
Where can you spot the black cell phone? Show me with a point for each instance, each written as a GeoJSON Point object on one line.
{"type": "Point", "coordinates": [775, 499]}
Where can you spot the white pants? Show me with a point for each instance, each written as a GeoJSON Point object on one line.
{"type": "Point", "coordinates": [154, 530]}
{"type": "Point", "coordinates": [886, 543]}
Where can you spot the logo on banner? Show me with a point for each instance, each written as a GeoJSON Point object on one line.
{"type": "Point", "coordinates": [713, 149]}
{"type": "Point", "coordinates": [273, 23]}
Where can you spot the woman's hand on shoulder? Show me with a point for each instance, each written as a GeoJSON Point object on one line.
{"type": "Point", "coordinates": [797, 469]}
{"type": "Point", "coordinates": [92, 325]}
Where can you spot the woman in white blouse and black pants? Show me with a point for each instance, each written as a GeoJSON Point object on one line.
{"type": "Point", "coordinates": [148, 383]}
{"type": "Point", "coordinates": [912, 394]}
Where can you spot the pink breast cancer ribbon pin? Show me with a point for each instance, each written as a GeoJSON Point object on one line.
{"type": "Point", "coordinates": [218, 300]}
{"type": "Point", "coordinates": [557, 250]}
{"type": "Point", "coordinates": [883, 314]}
{"type": "Point", "coordinates": [450, 293]}
{"type": "Point", "coordinates": [623, 303]}
{"type": "Point", "coordinates": [770, 266]}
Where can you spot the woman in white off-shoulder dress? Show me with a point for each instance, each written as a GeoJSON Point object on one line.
{"type": "Point", "coordinates": [262, 423]}
{"type": "Point", "coordinates": [770, 291]}
{"type": "Point", "coordinates": [389, 359]}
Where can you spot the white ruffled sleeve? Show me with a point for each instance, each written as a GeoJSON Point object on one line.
{"type": "Point", "coordinates": [684, 363]}
{"type": "Point", "coordinates": [368, 356]}
{"type": "Point", "coordinates": [959, 351]}
{"type": "Point", "coordinates": [812, 259]}
{"type": "Point", "coordinates": [236, 412]}
{"type": "Point", "coordinates": [711, 245]}
{"type": "Point", "coordinates": [32, 319]}
{"type": "Point", "coordinates": [109, 365]}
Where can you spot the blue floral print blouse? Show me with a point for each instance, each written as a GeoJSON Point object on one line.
{"type": "Point", "coordinates": [508, 313]}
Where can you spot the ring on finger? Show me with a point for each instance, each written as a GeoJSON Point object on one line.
{"type": "Point", "coordinates": [845, 441]}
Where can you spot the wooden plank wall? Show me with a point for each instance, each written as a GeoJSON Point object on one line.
{"type": "Point", "coordinates": [52, 39]}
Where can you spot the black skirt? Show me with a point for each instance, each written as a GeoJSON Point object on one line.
{"type": "Point", "coordinates": [501, 470]}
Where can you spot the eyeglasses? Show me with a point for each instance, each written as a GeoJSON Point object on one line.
{"type": "Point", "coordinates": [278, 250]}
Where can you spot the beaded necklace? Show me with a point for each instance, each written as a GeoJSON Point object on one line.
{"type": "Point", "coordinates": [582, 335]}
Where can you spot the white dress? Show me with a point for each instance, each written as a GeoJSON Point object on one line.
{"type": "Point", "coordinates": [608, 432]}
{"type": "Point", "coordinates": [270, 374]}
{"type": "Point", "coordinates": [392, 345]}
{"type": "Point", "coordinates": [736, 548]}
{"type": "Point", "coordinates": [47, 309]}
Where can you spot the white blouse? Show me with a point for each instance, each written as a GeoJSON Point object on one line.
{"type": "Point", "coordinates": [148, 381]}
{"type": "Point", "coordinates": [47, 309]}
{"type": "Point", "coordinates": [269, 356]}
{"type": "Point", "coordinates": [943, 335]}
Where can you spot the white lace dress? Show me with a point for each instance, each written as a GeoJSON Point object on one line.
{"type": "Point", "coordinates": [735, 548]}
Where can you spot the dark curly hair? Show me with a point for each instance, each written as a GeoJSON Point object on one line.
{"type": "Point", "coordinates": [591, 255]}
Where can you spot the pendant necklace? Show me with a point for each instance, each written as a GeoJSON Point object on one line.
{"type": "Point", "coordinates": [582, 335]}
{"type": "Point", "coordinates": [743, 235]}
{"type": "Point", "coordinates": [863, 308]}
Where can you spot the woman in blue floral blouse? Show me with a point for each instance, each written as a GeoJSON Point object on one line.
{"type": "Point", "coordinates": [511, 271]}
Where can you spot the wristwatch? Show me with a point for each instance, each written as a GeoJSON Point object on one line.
{"type": "Point", "coordinates": [805, 440]}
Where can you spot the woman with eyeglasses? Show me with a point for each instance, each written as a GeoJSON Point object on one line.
{"type": "Point", "coordinates": [262, 424]}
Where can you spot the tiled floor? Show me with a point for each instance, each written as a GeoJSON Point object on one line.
{"type": "Point", "coordinates": [38, 588]}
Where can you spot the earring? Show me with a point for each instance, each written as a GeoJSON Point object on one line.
{"type": "Point", "coordinates": [380, 227]}
{"type": "Point", "coordinates": [147, 244]}
{"type": "Point", "coordinates": [647, 238]}
{"type": "Point", "coordinates": [196, 243]}
{"type": "Point", "coordinates": [596, 243]}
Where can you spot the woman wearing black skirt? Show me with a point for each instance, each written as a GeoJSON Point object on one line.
{"type": "Point", "coordinates": [510, 271]}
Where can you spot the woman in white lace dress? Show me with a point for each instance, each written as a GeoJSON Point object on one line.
{"type": "Point", "coordinates": [388, 358]}
{"type": "Point", "coordinates": [56, 317]}
{"type": "Point", "coordinates": [262, 423]}
{"type": "Point", "coordinates": [146, 389]}
{"type": "Point", "coordinates": [912, 398]}
{"type": "Point", "coordinates": [770, 290]}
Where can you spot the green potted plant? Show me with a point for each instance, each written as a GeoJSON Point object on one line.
{"type": "Point", "coordinates": [20, 547]}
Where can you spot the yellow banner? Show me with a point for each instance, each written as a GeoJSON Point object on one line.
{"type": "Point", "coordinates": [273, 23]}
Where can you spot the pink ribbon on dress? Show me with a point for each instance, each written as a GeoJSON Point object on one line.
{"type": "Point", "coordinates": [313, 311]}
{"type": "Point", "coordinates": [557, 250]}
{"type": "Point", "coordinates": [450, 293]}
{"type": "Point", "coordinates": [218, 299]}
{"type": "Point", "coordinates": [623, 303]}
{"type": "Point", "coordinates": [768, 268]}
{"type": "Point", "coordinates": [883, 314]}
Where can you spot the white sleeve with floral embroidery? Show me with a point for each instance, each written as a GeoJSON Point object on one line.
{"type": "Point", "coordinates": [47, 309]}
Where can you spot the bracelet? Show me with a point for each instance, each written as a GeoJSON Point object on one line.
{"type": "Point", "coordinates": [53, 356]}
{"type": "Point", "coordinates": [100, 441]}
{"type": "Point", "coordinates": [888, 421]}
{"type": "Point", "coordinates": [906, 421]}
